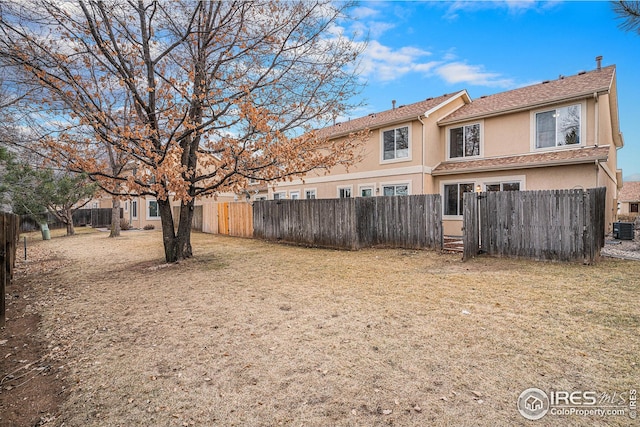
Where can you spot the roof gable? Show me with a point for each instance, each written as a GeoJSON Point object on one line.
{"type": "Point", "coordinates": [384, 118]}
{"type": "Point", "coordinates": [580, 85]}
{"type": "Point", "coordinates": [630, 192]}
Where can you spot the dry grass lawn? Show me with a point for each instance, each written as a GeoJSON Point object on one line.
{"type": "Point", "coordinates": [250, 333]}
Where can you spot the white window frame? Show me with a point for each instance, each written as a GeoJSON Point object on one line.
{"type": "Point", "coordinates": [474, 184]}
{"type": "Point", "coordinates": [282, 195]}
{"type": "Point", "coordinates": [501, 183]}
{"type": "Point", "coordinates": [344, 187]}
{"type": "Point", "coordinates": [149, 217]}
{"type": "Point", "coordinates": [310, 190]}
{"type": "Point", "coordinates": [583, 127]}
{"type": "Point", "coordinates": [295, 193]}
{"type": "Point", "coordinates": [371, 187]}
{"type": "Point", "coordinates": [409, 148]}
{"type": "Point", "coordinates": [395, 184]}
{"type": "Point", "coordinates": [463, 125]}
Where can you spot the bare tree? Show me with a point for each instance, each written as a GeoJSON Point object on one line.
{"type": "Point", "coordinates": [629, 13]}
{"type": "Point", "coordinates": [221, 92]}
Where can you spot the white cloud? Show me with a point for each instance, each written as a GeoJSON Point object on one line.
{"type": "Point", "coordinates": [364, 12]}
{"type": "Point", "coordinates": [459, 72]}
{"type": "Point", "coordinates": [512, 6]}
{"type": "Point", "coordinates": [384, 63]}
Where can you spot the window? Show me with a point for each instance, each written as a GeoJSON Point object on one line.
{"type": "Point", "coordinates": [464, 141]}
{"type": "Point", "coordinates": [503, 186]}
{"type": "Point", "coordinates": [152, 209]}
{"type": "Point", "coordinates": [633, 207]}
{"type": "Point", "coordinates": [395, 144]}
{"type": "Point", "coordinates": [279, 196]}
{"type": "Point", "coordinates": [310, 194]}
{"type": "Point", "coordinates": [453, 197]}
{"type": "Point", "coordinates": [395, 190]}
{"type": "Point", "coordinates": [294, 195]}
{"type": "Point", "coordinates": [134, 209]}
{"type": "Point", "coordinates": [344, 192]}
{"type": "Point", "coordinates": [366, 191]}
{"type": "Point", "coordinates": [555, 128]}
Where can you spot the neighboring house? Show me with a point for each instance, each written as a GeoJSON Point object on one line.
{"type": "Point", "coordinates": [629, 199]}
{"type": "Point", "coordinates": [559, 134]}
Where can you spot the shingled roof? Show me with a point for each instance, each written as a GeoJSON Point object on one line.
{"type": "Point", "coordinates": [384, 118]}
{"type": "Point", "coordinates": [630, 192]}
{"type": "Point", "coordinates": [548, 92]}
{"type": "Point", "coordinates": [525, 161]}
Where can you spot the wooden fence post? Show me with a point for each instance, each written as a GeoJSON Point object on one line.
{"type": "Point", "coordinates": [470, 229]}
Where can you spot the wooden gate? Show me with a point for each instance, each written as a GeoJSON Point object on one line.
{"type": "Point", "coordinates": [235, 219]}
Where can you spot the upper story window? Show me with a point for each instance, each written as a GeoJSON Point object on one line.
{"type": "Point", "coordinates": [558, 127]}
{"type": "Point", "coordinates": [395, 144]}
{"type": "Point", "coordinates": [464, 141]}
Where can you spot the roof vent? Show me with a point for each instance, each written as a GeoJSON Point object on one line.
{"type": "Point", "coordinates": [483, 96]}
{"type": "Point", "coordinates": [393, 104]}
{"type": "Point", "coordinates": [429, 99]}
{"type": "Point", "coordinates": [401, 106]}
{"type": "Point", "coordinates": [599, 62]}
{"type": "Point", "coordinates": [582, 72]}
{"type": "Point", "coordinates": [545, 82]}
{"type": "Point", "coordinates": [560, 77]}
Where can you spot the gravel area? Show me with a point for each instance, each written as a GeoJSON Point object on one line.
{"type": "Point", "coordinates": [625, 249]}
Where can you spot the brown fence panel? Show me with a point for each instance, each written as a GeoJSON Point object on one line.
{"type": "Point", "coordinates": [240, 219]}
{"type": "Point", "coordinates": [563, 225]}
{"type": "Point", "coordinates": [471, 231]}
{"type": "Point", "coordinates": [223, 218]}
{"type": "Point", "coordinates": [9, 233]}
{"type": "Point", "coordinates": [392, 221]}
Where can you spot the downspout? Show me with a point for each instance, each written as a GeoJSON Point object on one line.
{"type": "Point", "coordinates": [423, 154]}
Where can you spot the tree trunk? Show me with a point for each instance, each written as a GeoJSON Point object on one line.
{"type": "Point", "coordinates": [115, 217]}
{"type": "Point", "coordinates": [177, 246]}
{"type": "Point", "coordinates": [69, 222]}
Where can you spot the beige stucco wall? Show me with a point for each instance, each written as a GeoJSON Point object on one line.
{"type": "Point", "coordinates": [549, 178]}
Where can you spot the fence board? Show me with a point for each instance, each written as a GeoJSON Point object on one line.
{"type": "Point", "coordinates": [392, 221]}
{"type": "Point", "coordinates": [564, 225]}
{"type": "Point", "coordinates": [9, 233]}
{"type": "Point", "coordinates": [240, 219]}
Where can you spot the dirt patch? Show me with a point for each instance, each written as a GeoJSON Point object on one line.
{"type": "Point", "coordinates": [32, 385]}
{"type": "Point", "coordinates": [253, 333]}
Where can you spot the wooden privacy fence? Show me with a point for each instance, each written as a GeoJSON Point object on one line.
{"type": "Point", "coordinates": [235, 219]}
{"type": "Point", "coordinates": [9, 233]}
{"type": "Point", "coordinates": [393, 221]}
{"type": "Point", "coordinates": [563, 225]}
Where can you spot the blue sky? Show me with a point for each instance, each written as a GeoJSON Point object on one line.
{"type": "Point", "coordinates": [422, 49]}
